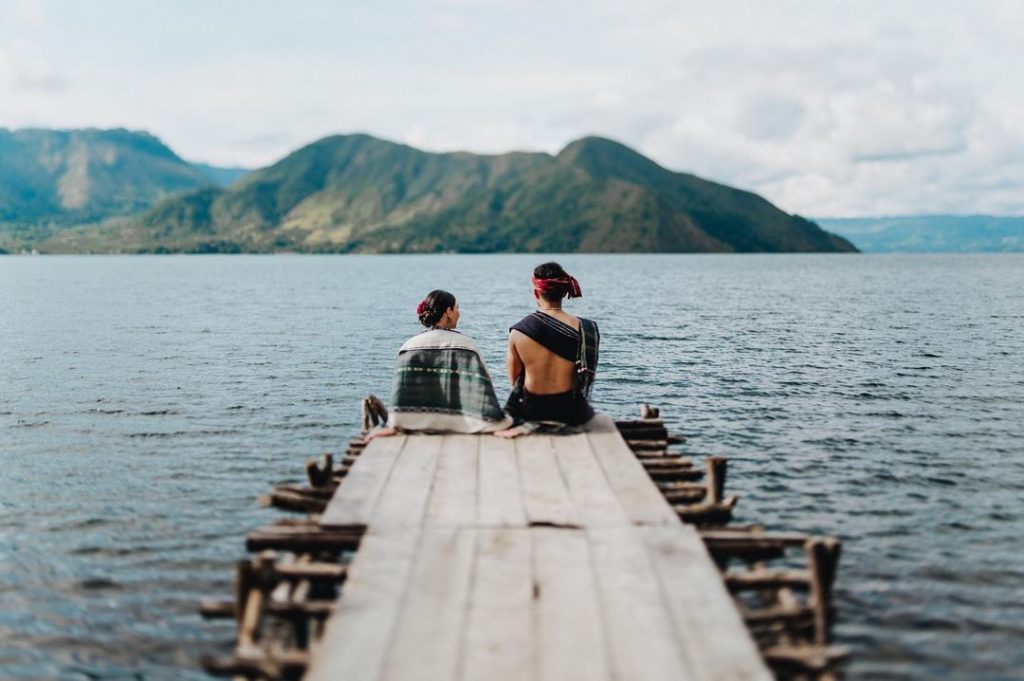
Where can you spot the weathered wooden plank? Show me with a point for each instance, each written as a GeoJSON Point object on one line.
{"type": "Point", "coordinates": [545, 496]}
{"type": "Point", "coordinates": [356, 638]}
{"type": "Point", "coordinates": [427, 643]}
{"type": "Point", "coordinates": [403, 501]}
{"type": "Point", "coordinates": [570, 632]}
{"type": "Point", "coordinates": [499, 634]}
{"type": "Point", "coordinates": [593, 499]}
{"type": "Point", "coordinates": [354, 501]}
{"type": "Point", "coordinates": [637, 494]}
{"type": "Point", "coordinates": [499, 497]}
{"type": "Point", "coordinates": [454, 494]}
{"type": "Point", "coordinates": [640, 633]}
{"type": "Point", "coordinates": [710, 628]}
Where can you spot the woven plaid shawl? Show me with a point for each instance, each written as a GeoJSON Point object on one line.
{"type": "Point", "coordinates": [442, 384]}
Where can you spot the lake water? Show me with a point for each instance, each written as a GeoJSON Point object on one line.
{"type": "Point", "coordinates": [145, 402]}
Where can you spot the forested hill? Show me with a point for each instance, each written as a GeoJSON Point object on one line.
{"type": "Point", "coordinates": [78, 176]}
{"type": "Point", "coordinates": [356, 193]}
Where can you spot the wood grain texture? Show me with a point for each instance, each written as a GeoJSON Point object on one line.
{"type": "Point", "coordinates": [356, 639]}
{"type": "Point", "coordinates": [428, 640]}
{"type": "Point", "coordinates": [403, 501]}
{"type": "Point", "coordinates": [499, 634]}
{"type": "Point", "coordinates": [593, 499]}
{"type": "Point", "coordinates": [637, 495]}
{"type": "Point", "coordinates": [709, 627]}
{"type": "Point", "coordinates": [499, 498]}
{"type": "Point", "coordinates": [545, 497]}
{"type": "Point", "coordinates": [354, 501]}
{"type": "Point", "coordinates": [571, 640]}
{"type": "Point", "coordinates": [453, 499]}
{"type": "Point", "coordinates": [642, 641]}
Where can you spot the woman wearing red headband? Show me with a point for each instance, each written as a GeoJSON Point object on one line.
{"type": "Point", "coordinates": [552, 358]}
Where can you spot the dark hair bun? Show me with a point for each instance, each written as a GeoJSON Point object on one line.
{"type": "Point", "coordinates": [433, 307]}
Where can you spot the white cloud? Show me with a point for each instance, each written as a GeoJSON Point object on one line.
{"type": "Point", "coordinates": [825, 107]}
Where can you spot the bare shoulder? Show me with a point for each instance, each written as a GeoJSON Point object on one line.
{"type": "Point", "coordinates": [518, 339]}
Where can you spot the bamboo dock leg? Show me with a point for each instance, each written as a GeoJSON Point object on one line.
{"type": "Point", "coordinates": [716, 467]}
{"type": "Point", "coordinates": [822, 558]}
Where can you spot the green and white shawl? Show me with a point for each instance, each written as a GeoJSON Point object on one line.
{"type": "Point", "coordinates": [442, 385]}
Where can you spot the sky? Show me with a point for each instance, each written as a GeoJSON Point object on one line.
{"type": "Point", "coordinates": [828, 108]}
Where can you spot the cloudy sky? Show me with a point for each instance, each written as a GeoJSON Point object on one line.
{"type": "Point", "coordinates": [826, 107]}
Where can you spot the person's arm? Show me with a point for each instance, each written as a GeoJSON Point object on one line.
{"type": "Point", "coordinates": [514, 361]}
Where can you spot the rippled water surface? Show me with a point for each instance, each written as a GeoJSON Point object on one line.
{"type": "Point", "coordinates": [146, 401]}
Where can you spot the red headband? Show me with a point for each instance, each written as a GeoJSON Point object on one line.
{"type": "Point", "coordinates": [558, 284]}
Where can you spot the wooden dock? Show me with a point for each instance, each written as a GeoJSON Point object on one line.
{"type": "Point", "coordinates": [548, 557]}
{"type": "Point", "coordinates": [595, 555]}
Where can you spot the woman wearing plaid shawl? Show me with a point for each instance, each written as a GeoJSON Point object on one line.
{"type": "Point", "coordinates": [441, 383]}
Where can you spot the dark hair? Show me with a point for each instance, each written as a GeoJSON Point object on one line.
{"type": "Point", "coordinates": [434, 306]}
{"type": "Point", "coordinates": [551, 270]}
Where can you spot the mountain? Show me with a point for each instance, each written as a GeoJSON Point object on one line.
{"type": "Point", "coordinates": [53, 180]}
{"type": "Point", "coordinates": [932, 233]}
{"type": "Point", "coordinates": [356, 193]}
{"type": "Point", "coordinates": [68, 177]}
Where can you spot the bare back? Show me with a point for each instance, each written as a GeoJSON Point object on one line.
{"type": "Point", "coordinates": [546, 372]}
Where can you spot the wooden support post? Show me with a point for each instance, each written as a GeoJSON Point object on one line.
{"type": "Point", "coordinates": [212, 609]}
{"type": "Point", "coordinates": [753, 535]}
{"type": "Point", "coordinates": [324, 493]}
{"type": "Point", "coordinates": [655, 431]}
{"type": "Point", "coordinates": [649, 412]}
{"type": "Point", "coordinates": [789, 615]}
{"type": "Point", "coordinates": [648, 444]}
{"type": "Point", "coordinates": [244, 581]}
{"type": "Point", "coordinates": [760, 578]}
{"type": "Point", "coordinates": [666, 463]}
{"type": "Point", "coordinates": [652, 454]}
{"type": "Point", "coordinates": [250, 614]}
{"type": "Point", "coordinates": [822, 559]}
{"type": "Point", "coordinates": [675, 474]}
{"type": "Point", "coordinates": [303, 539]}
{"type": "Point", "coordinates": [326, 572]}
{"type": "Point", "coordinates": [372, 413]}
{"type": "Point", "coordinates": [707, 514]}
{"type": "Point", "coordinates": [257, 663]}
{"type": "Point", "coordinates": [716, 467]}
{"type": "Point", "coordinates": [628, 424]}
{"type": "Point", "coordinates": [686, 496]}
{"type": "Point", "coordinates": [804, 659]}
{"type": "Point", "coordinates": [295, 500]}
{"type": "Point", "coordinates": [320, 475]}
{"type": "Point", "coordinates": [365, 418]}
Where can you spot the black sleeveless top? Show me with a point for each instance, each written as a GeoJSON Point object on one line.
{"type": "Point", "coordinates": [556, 336]}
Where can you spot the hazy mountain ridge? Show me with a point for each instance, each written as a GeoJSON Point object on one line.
{"type": "Point", "coordinates": [356, 193]}
{"type": "Point", "coordinates": [931, 233]}
{"type": "Point", "coordinates": [221, 176]}
{"type": "Point", "coordinates": [51, 180]}
{"type": "Point", "coordinates": [76, 176]}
